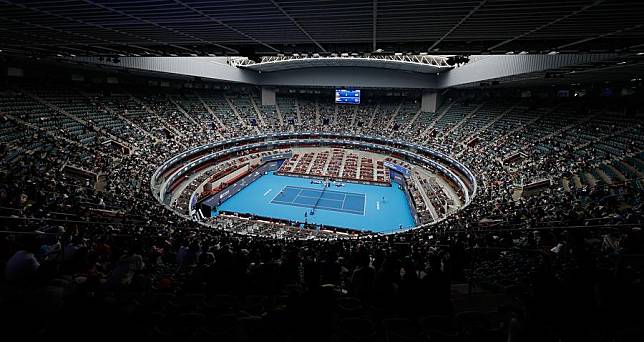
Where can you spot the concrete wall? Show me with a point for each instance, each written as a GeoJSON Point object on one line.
{"type": "Point", "coordinates": [487, 67]}
{"type": "Point", "coordinates": [348, 77]}
{"type": "Point", "coordinates": [268, 96]}
{"type": "Point", "coordinates": [429, 101]}
{"type": "Point", "coordinates": [214, 68]}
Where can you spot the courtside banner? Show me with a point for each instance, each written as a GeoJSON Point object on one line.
{"type": "Point", "coordinates": [280, 156]}
{"type": "Point", "coordinates": [403, 170]}
{"type": "Point", "coordinates": [230, 191]}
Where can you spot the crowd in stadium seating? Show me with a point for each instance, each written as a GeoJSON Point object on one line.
{"type": "Point", "coordinates": [85, 241]}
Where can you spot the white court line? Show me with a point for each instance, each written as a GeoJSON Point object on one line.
{"type": "Point", "coordinates": [296, 196]}
{"type": "Point", "coordinates": [302, 205]}
{"type": "Point", "coordinates": [326, 199]}
{"type": "Point", "coordinates": [267, 192]}
{"type": "Point", "coordinates": [364, 206]}
{"type": "Point", "coordinates": [281, 191]}
{"type": "Point", "coordinates": [364, 212]}
{"type": "Point", "coordinates": [341, 209]}
{"type": "Point", "coordinates": [327, 191]}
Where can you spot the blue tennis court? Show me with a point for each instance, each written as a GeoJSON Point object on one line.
{"type": "Point", "coordinates": [356, 206]}
{"type": "Point", "coordinates": [340, 201]}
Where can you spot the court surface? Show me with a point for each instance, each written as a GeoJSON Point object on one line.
{"type": "Point", "coordinates": [340, 201]}
{"type": "Point", "coordinates": [358, 206]}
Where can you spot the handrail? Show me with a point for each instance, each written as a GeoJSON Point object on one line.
{"type": "Point", "coordinates": [608, 226]}
{"type": "Point", "coordinates": [45, 219]}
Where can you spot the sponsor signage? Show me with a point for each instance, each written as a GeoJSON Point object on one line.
{"type": "Point", "coordinates": [274, 157]}
{"type": "Point", "coordinates": [398, 168]}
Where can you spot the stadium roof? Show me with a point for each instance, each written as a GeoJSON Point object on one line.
{"type": "Point", "coordinates": [415, 63]}
{"type": "Point", "coordinates": [250, 27]}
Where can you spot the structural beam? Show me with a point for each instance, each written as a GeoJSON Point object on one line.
{"type": "Point", "coordinates": [298, 25]}
{"type": "Point", "coordinates": [88, 23]}
{"type": "Point", "coordinates": [160, 26]}
{"type": "Point", "coordinates": [225, 25]}
{"type": "Point", "coordinates": [595, 3]}
{"type": "Point", "coordinates": [458, 24]}
{"type": "Point", "coordinates": [600, 36]}
{"type": "Point", "coordinates": [375, 25]}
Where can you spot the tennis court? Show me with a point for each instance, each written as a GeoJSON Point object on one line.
{"type": "Point", "coordinates": [340, 201]}
{"type": "Point", "coordinates": [357, 206]}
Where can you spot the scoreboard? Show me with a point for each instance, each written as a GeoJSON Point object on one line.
{"type": "Point", "coordinates": [347, 96]}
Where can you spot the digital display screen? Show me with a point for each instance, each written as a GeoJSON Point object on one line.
{"type": "Point", "coordinates": [347, 96]}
